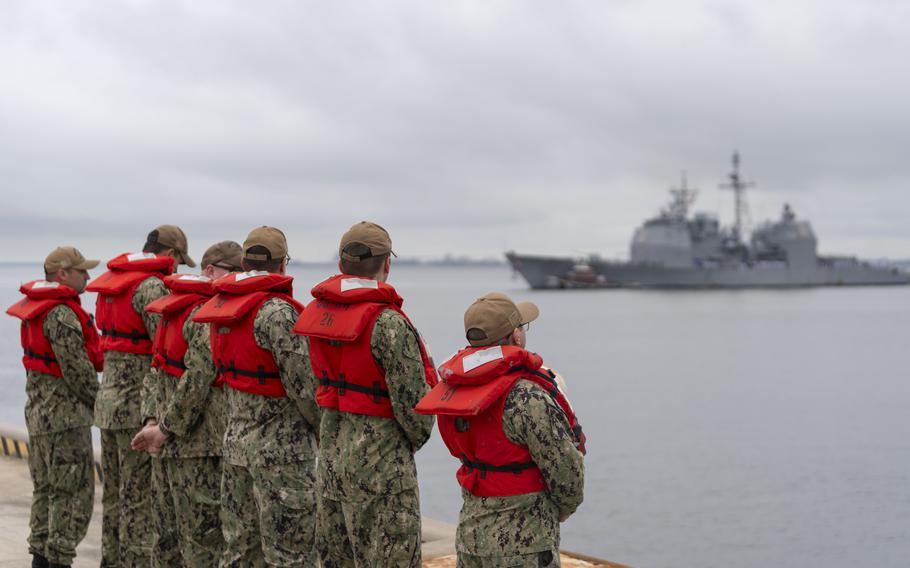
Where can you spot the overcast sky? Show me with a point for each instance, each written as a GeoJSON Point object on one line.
{"type": "Point", "coordinates": [463, 127]}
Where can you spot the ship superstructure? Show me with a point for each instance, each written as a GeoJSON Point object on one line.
{"type": "Point", "coordinates": [675, 249]}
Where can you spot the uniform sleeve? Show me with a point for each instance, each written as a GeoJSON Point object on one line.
{"type": "Point", "coordinates": [395, 346]}
{"type": "Point", "coordinates": [64, 332]}
{"type": "Point", "coordinates": [188, 402]}
{"type": "Point", "coordinates": [273, 330]}
{"type": "Point", "coordinates": [532, 418]}
{"type": "Point", "coordinates": [147, 292]}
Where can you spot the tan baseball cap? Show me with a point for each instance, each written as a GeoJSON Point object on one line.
{"type": "Point", "coordinates": [172, 236]}
{"type": "Point", "coordinates": [66, 258]}
{"type": "Point", "coordinates": [272, 239]}
{"type": "Point", "coordinates": [224, 254]}
{"type": "Point", "coordinates": [494, 316]}
{"type": "Point", "coordinates": [373, 237]}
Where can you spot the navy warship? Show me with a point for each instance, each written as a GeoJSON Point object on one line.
{"type": "Point", "coordinates": [675, 250]}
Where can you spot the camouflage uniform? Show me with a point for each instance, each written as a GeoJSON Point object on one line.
{"type": "Point", "coordinates": [523, 530]}
{"type": "Point", "coordinates": [58, 415]}
{"type": "Point", "coordinates": [268, 502]}
{"type": "Point", "coordinates": [369, 512]}
{"type": "Point", "coordinates": [126, 535]}
{"type": "Point", "coordinates": [187, 477]}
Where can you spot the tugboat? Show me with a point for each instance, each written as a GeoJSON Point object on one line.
{"type": "Point", "coordinates": [674, 250]}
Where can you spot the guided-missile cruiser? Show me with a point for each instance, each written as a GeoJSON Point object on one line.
{"type": "Point", "coordinates": [675, 250]}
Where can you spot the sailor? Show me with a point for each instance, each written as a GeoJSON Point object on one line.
{"type": "Point", "coordinates": [372, 368]}
{"type": "Point", "coordinates": [268, 502]}
{"type": "Point", "coordinates": [187, 406]}
{"type": "Point", "coordinates": [133, 281]}
{"type": "Point", "coordinates": [62, 360]}
{"type": "Point", "coordinates": [504, 416]}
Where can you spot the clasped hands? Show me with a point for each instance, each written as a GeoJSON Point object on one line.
{"type": "Point", "coordinates": [150, 439]}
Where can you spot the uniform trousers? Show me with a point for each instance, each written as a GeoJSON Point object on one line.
{"type": "Point", "coordinates": [376, 532]}
{"type": "Point", "coordinates": [63, 478]}
{"type": "Point", "coordinates": [127, 527]}
{"type": "Point", "coordinates": [268, 515]}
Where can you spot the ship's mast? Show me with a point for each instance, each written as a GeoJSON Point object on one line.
{"type": "Point", "coordinates": [739, 195]}
{"type": "Point", "coordinates": [683, 196]}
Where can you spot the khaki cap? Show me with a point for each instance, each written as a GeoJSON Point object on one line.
{"type": "Point", "coordinates": [66, 258]}
{"type": "Point", "coordinates": [225, 253]}
{"type": "Point", "coordinates": [495, 316]}
{"type": "Point", "coordinates": [370, 235]}
{"type": "Point", "coordinates": [173, 237]}
{"type": "Point", "coordinates": [272, 239]}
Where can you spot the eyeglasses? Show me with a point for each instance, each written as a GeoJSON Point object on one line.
{"type": "Point", "coordinates": [525, 326]}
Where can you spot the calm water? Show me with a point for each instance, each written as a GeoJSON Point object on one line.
{"type": "Point", "coordinates": [726, 429]}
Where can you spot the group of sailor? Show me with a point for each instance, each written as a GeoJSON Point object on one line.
{"type": "Point", "coordinates": [242, 428]}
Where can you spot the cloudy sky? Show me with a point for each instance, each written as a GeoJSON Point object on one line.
{"type": "Point", "coordinates": [463, 127]}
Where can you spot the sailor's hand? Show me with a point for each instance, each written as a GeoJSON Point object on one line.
{"type": "Point", "coordinates": [150, 439]}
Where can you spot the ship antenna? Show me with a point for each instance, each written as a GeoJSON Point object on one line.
{"type": "Point", "coordinates": [683, 197]}
{"type": "Point", "coordinates": [739, 195]}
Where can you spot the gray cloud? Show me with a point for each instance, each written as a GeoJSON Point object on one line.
{"type": "Point", "coordinates": [466, 127]}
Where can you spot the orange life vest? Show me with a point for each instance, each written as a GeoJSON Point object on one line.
{"type": "Point", "coordinates": [169, 345]}
{"type": "Point", "coordinates": [470, 402]}
{"type": "Point", "coordinates": [122, 329]}
{"type": "Point", "coordinates": [339, 323]}
{"type": "Point", "coordinates": [40, 298]}
{"type": "Point", "coordinates": [239, 361]}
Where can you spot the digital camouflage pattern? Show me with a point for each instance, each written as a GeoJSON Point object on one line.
{"type": "Point", "coordinates": [120, 398]}
{"type": "Point", "coordinates": [268, 491]}
{"type": "Point", "coordinates": [58, 416]}
{"type": "Point", "coordinates": [126, 524]}
{"type": "Point", "coordinates": [189, 407]}
{"type": "Point", "coordinates": [362, 456]}
{"type": "Point", "coordinates": [165, 548]}
{"type": "Point", "coordinates": [268, 514]}
{"type": "Point", "coordinates": [499, 527]}
{"type": "Point", "coordinates": [63, 474]}
{"type": "Point", "coordinates": [187, 475]}
{"type": "Point", "coordinates": [378, 531]}
{"type": "Point", "coordinates": [126, 537]}
{"type": "Point", "coordinates": [187, 506]}
{"type": "Point", "coordinates": [367, 477]}
{"type": "Point", "coordinates": [264, 430]}
{"type": "Point", "coordinates": [55, 404]}
{"type": "Point", "coordinates": [542, 559]}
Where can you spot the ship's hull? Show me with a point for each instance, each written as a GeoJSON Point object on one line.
{"type": "Point", "coordinates": [543, 272]}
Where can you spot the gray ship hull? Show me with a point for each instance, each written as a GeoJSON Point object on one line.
{"type": "Point", "coordinates": [542, 272]}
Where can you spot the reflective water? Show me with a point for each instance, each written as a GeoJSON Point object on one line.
{"type": "Point", "coordinates": [727, 429]}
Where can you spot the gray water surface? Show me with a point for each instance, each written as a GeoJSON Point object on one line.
{"type": "Point", "coordinates": [726, 429]}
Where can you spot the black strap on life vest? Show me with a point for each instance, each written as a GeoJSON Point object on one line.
{"type": "Point", "coordinates": [48, 359]}
{"type": "Point", "coordinates": [483, 468]}
{"type": "Point", "coordinates": [174, 363]}
{"type": "Point", "coordinates": [133, 336]}
{"type": "Point", "coordinates": [260, 373]}
{"type": "Point", "coordinates": [343, 385]}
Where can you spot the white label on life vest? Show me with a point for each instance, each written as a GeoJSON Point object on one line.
{"type": "Point", "coordinates": [194, 277]}
{"type": "Point", "coordinates": [479, 358]}
{"type": "Point", "coordinates": [45, 284]}
{"type": "Point", "coordinates": [251, 274]}
{"type": "Point", "coordinates": [357, 283]}
{"type": "Point", "coordinates": [140, 256]}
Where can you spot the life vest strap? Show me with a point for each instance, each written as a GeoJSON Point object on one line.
{"type": "Point", "coordinates": [259, 374]}
{"type": "Point", "coordinates": [483, 468]}
{"type": "Point", "coordinates": [174, 363]}
{"type": "Point", "coordinates": [134, 335]}
{"type": "Point", "coordinates": [48, 359]}
{"type": "Point", "coordinates": [343, 385]}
